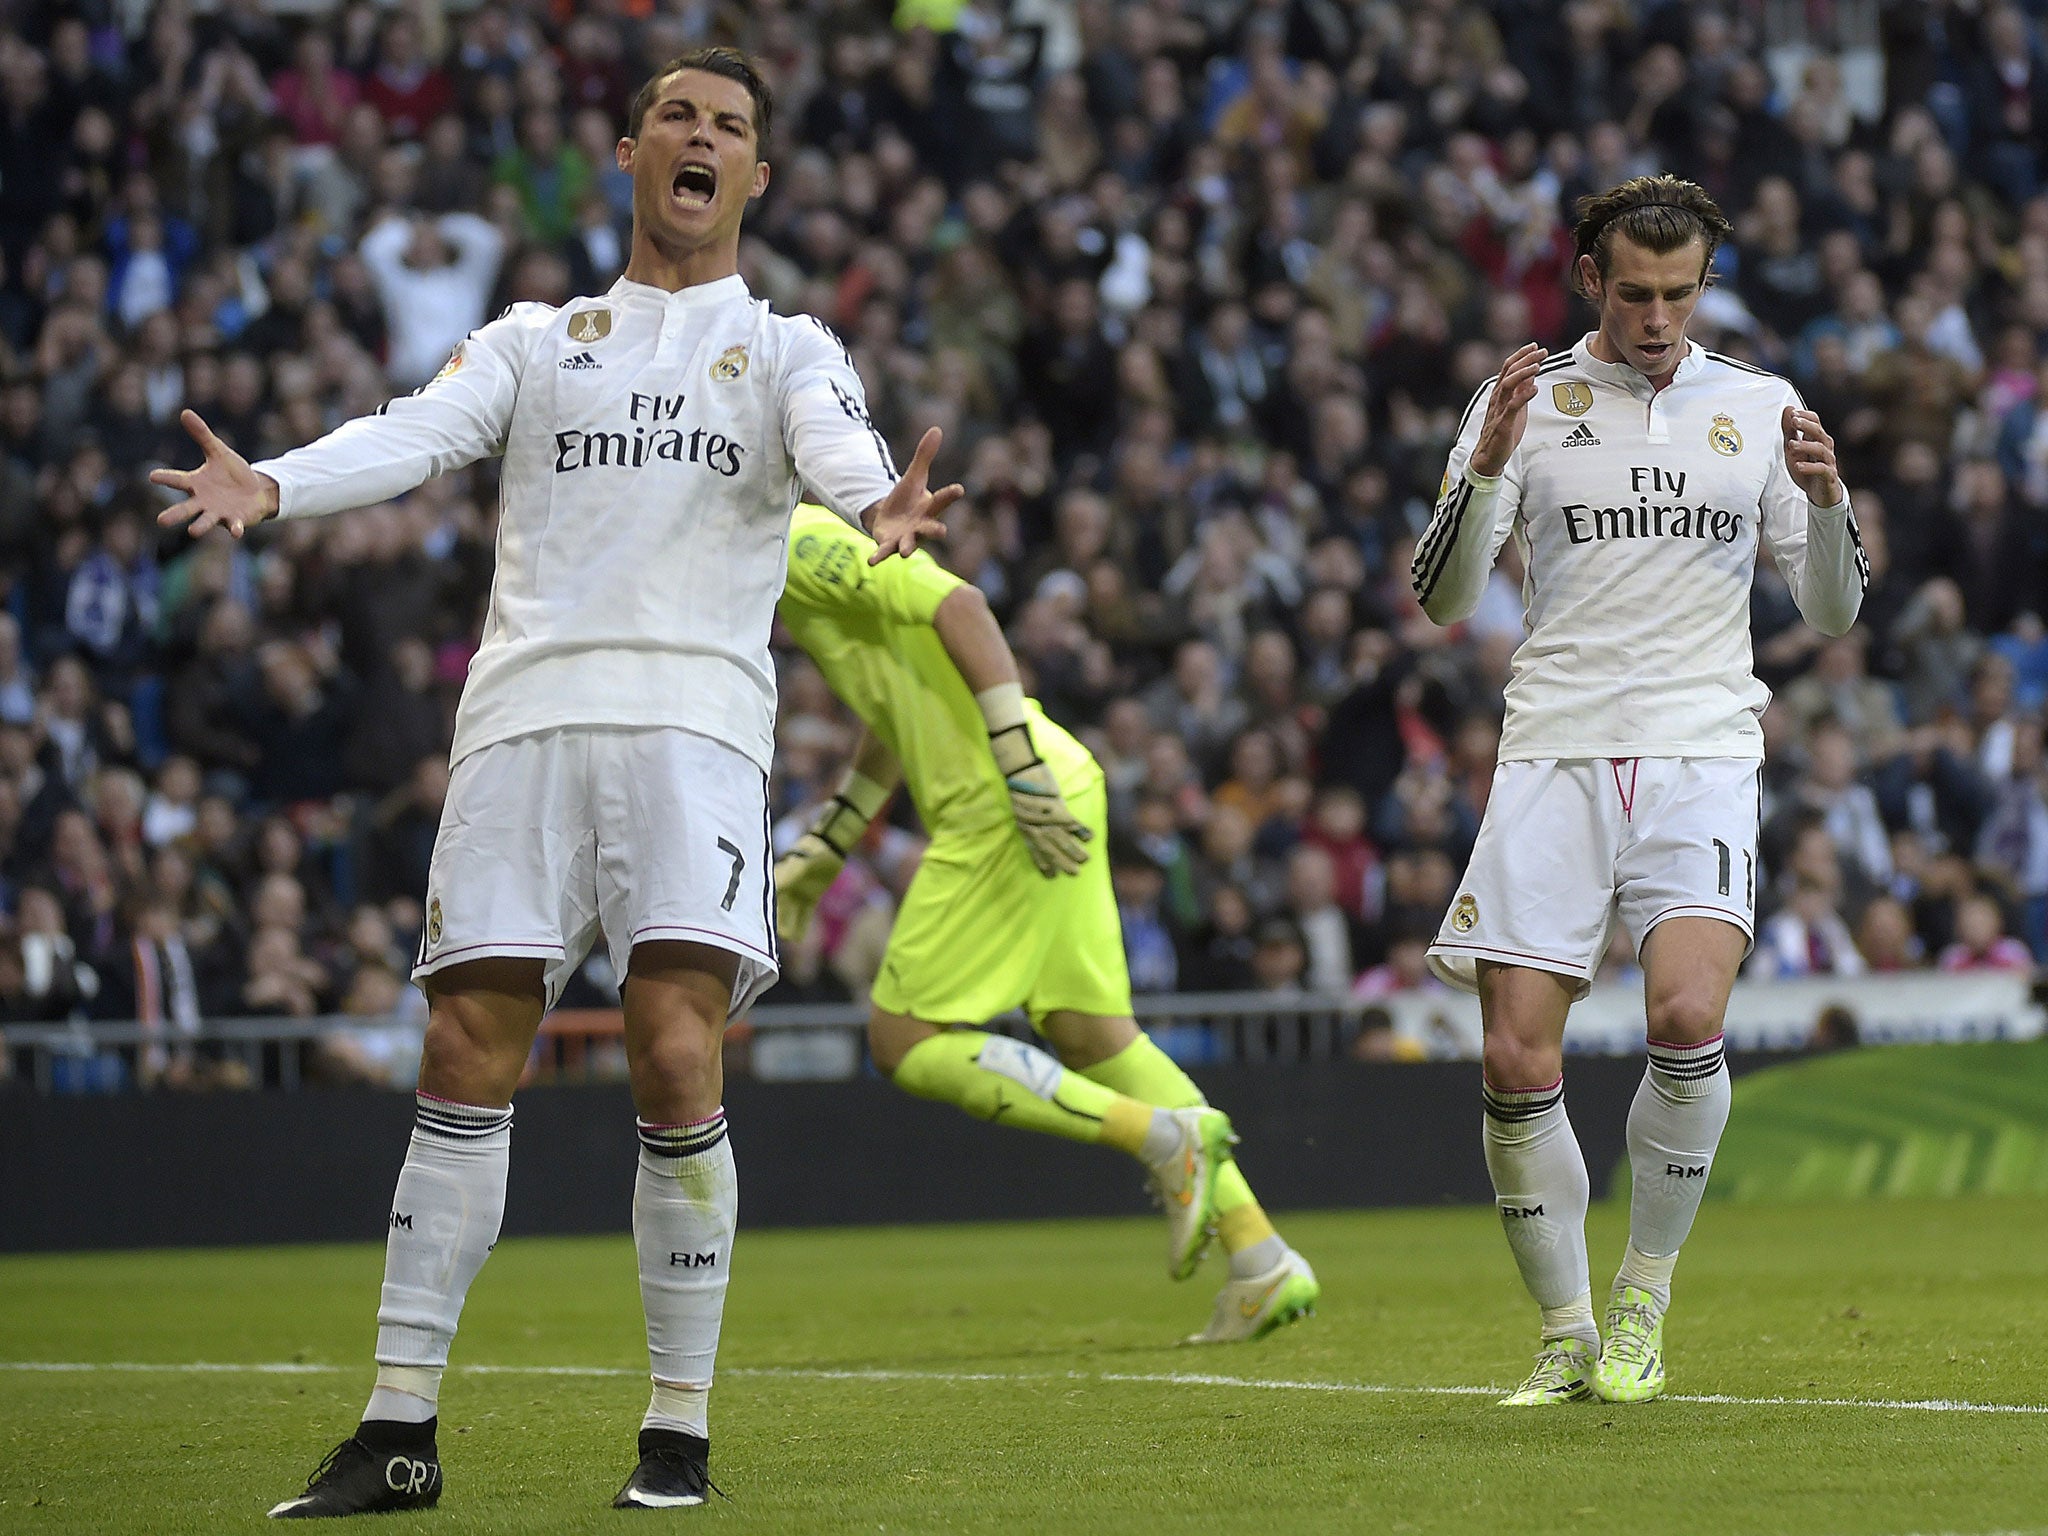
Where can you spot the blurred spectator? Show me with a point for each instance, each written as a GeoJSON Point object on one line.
{"type": "Point", "coordinates": [1406, 969]}
{"type": "Point", "coordinates": [1806, 938]}
{"type": "Point", "coordinates": [1279, 961]}
{"type": "Point", "coordinates": [434, 280]}
{"type": "Point", "coordinates": [1885, 937]}
{"type": "Point", "coordinates": [1148, 943]}
{"type": "Point", "coordinates": [1329, 933]}
{"type": "Point", "coordinates": [1834, 1029]}
{"type": "Point", "coordinates": [1981, 942]}
{"type": "Point", "coordinates": [1847, 809]}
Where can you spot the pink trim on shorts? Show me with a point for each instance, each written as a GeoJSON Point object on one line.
{"type": "Point", "coordinates": [1547, 962]}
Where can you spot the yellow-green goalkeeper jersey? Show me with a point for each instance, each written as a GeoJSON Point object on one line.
{"type": "Point", "coordinates": [869, 629]}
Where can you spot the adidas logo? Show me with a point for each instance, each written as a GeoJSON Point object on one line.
{"type": "Point", "coordinates": [581, 360]}
{"type": "Point", "coordinates": [1580, 436]}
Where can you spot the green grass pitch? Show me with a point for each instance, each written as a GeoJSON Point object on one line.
{"type": "Point", "coordinates": [1008, 1378]}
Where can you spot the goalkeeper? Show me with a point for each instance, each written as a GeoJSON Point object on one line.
{"type": "Point", "coordinates": [1007, 908]}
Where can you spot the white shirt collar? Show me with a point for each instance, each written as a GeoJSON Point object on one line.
{"type": "Point", "coordinates": [1623, 376]}
{"type": "Point", "coordinates": [717, 292]}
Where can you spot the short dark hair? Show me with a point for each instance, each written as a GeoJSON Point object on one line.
{"type": "Point", "coordinates": [1659, 213]}
{"type": "Point", "coordinates": [728, 62]}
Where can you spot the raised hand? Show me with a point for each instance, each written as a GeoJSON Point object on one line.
{"type": "Point", "coordinates": [911, 512]}
{"type": "Point", "coordinates": [1810, 455]}
{"type": "Point", "coordinates": [223, 492]}
{"type": "Point", "coordinates": [1507, 412]}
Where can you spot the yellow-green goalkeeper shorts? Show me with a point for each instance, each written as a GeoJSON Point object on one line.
{"type": "Point", "coordinates": [982, 931]}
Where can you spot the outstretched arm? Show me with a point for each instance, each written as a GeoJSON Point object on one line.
{"type": "Point", "coordinates": [461, 416]}
{"type": "Point", "coordinates": [223, 492]}
{"type": "Point", "coordinates": [911, 511]}
{"type": "Point", "coordinates": [840, 456]}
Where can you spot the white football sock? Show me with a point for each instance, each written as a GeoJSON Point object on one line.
{"type": "Point", "coordinates": [1262, 1256]}
{"type": "Point", "coordinates": [445, 1216]}
{"type": "Point", "coordinates": [1674, 1128]}
{"type": "Point", "coordinates": [1541, 1189]}
{"type": "Point", "coordinates": [685, 1206]}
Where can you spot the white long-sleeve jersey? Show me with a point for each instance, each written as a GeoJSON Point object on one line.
{"type": "Point", "coordinates": [655, 444]}
{"type": "Point", "coordinates": [1637, 513]}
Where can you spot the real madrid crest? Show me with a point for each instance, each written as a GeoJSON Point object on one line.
{"type": "Point", "coordinates": [1723, 438]}
{"type": "Point", "coordinates": [434, 922]}
{"type": "Point", "coordinates": [590, 325]}
{"type": "Point", "coordinates": [1465, 915]}
{"type": "Point", "coordinates": [1573, 399]}
{"type": "Point", "coordinates": [732, 362]}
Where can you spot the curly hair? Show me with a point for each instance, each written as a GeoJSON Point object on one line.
{"type": "Point", "coordinates": [1659, 213]}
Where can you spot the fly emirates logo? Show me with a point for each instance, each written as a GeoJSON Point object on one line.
{"type": "Point", "coordinates": [646, 438]}
{"type": "Point", "coordinates": [1659, 513]}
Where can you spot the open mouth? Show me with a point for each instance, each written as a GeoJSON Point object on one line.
{"type": "Point", "coordinates": [695, 185]}
{"type": "Point", "coordinates": [1656, 351]}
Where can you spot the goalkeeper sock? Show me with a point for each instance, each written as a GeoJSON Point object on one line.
{"type": "Point", "coordinates": [444, 1222]}
{"type": "Point", "coordinates": [1541, 1190]}
{"type": "Point", "coordinates": [1144, 1072]}
{"type": "Point", "coordinates": [1674, 1129]}
{"type": "Point", "coordinates": [686, 1203]}
{"type": "Point", "coordinates": [993, 1078]}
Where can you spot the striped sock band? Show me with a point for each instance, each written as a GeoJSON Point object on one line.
{"type": "Point", "coordinates": [458, 1122]}
{"type": "Point", "coordinates": [683, 1140]}
{"type": "Point", "coordinates": [1686, 1071]}
{"type": "Point", "coordinates": [1509, 1105]}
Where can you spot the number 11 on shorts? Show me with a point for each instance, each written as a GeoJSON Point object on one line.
{"type": "Point", "coordinates": [1721, 853]}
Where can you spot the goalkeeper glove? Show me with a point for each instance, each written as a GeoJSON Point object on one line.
{"type": "Point", "coordinates": [1052, 832]}
{"type": "Point", "coordinates": [806, 872]}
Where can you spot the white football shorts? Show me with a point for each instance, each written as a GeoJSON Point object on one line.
{"type": "Point", "coordinates": [1569, 845]}
{"type": "Point", "coordinates": [548, 839]}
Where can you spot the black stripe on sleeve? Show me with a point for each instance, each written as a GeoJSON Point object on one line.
{"type": "Point", "coordinates": [1472, 404]}
{"type": "Point", "coordinates": [1430, 571]}
{"type": "Point", "coordinates": [1732, 362]}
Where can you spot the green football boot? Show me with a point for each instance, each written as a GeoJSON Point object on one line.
{"type": "Point", "coordinates": [1563, 1374]}
{"type": "Point", "coordinates": [1185, 1186]}
{"type": "Point", "coordinates": [1252, 1308]}
{"type": "Point", "coordinates": [1631, 1368]}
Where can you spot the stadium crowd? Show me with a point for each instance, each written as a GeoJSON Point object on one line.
{"type": "Point", "coordinates": [1198, 290]}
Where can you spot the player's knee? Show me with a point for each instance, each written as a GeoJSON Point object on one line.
{"type": "Point", "coordinates": [891, 1038]}
{"type": "Point", "coordinates": [1685, 1016]}
{"type": "Point", "coordinates": [679, 1060]}
{"type": "Point", "coordinates": [1515, 1063]}
{"type": "Point", "coordinates": [464, 1059]}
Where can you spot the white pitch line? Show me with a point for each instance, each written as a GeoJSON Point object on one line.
{"type": "Point", "coordinates": [1160, 1378]}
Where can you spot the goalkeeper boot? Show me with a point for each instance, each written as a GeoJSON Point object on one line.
{"type": "Point", "coordinates": [674, 1472]}
{"type": "Point", "coordinates": [1631, 1368]}
{"type": "Point", "coordinates": [1254, 1307]}
{"type": "Point", "coordinates": [381, 1467]}
{"type": "Point", "coordinates": [1184, 1184]}
{"type": "Point", "coordinates": [1563, 1374]}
